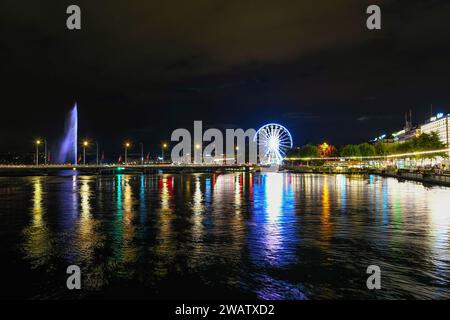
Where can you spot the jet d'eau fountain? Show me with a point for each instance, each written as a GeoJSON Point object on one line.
{"type": "Point", "coordinates": [69, 144]}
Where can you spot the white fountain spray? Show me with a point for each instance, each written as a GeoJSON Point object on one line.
{"type": "Point", "coordinates": [69, 145]}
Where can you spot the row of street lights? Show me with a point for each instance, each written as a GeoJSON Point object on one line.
{"type": "Point", "coordinates": [128, 145]}
{"type": "Point", "coordinates": [85, 144]}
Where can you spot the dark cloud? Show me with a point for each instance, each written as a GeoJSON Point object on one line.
{"type": "Point", "coordinates": [377, 117]}
{"type": "Point", "coordinates": [144, 68]}
{"type": "Point", "coordinates": [300, 115]}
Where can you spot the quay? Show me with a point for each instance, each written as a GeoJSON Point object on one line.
{"type": "Point", "coordinates": [425, 176]}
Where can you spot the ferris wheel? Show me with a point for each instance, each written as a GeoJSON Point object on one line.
{"type": "Point", "coordinates": [273, 141]}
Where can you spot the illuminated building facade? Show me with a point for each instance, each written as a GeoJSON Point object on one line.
{"type": "Point", "coordinates": [405, 135]}
{"type": "Point", "coordinates": [440, 125]}
{"type": "Point", "coordinates": [409, 131]}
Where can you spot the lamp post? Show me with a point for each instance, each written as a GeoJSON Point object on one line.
{"type": "Point", "coordinates": [45, 151]}
{"type": "Point", "coordinates": [96, 144]}
{"type": "Point", "coordinates": [38, 142]}
{"type": "Point", "coordinates": [162, 149]}
{"type": "Point", "coordinates": [127, 145]}
{"type": "Point", "coordinates": [142, 153]}
{"type": "Point", "coordinates": [196, 155]}
{"type": "Point", "coordinates": [85, 144]}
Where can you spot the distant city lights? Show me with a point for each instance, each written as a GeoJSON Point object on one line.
{"type": "Point", "coordinates": [375, 157]}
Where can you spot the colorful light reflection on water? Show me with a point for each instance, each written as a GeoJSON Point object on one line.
{"type": "Point", "coordinates": [268, 236]}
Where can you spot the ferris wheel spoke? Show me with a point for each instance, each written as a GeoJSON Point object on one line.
{"type": "Point", "coordinates": [288, 143]}
{"type": "Point", "coordinates": [276, 132]}
{"type": "Point", "coordinates": [284, 136]}
{"type": "Point", "coordinates": [265, 134]}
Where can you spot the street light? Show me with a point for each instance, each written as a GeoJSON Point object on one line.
{"type": "Point", "coordinates": [38, 142]}
{"type": "Point", "coordinates": [198, 159]}
{"type": "Point", "coordinates": [85, 144]}
{"type": "Point", "coordinates": [96, 143]}
{"type": "Point", "coordinates": [127, 145]}
{"type": "Point", "coordinates": [45, 152]}
{"type": "Point", "coordinates": [142, 153]}
{"type": "Point", "coordinates": [162, 149]}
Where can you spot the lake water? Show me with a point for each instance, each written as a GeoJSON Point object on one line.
{"type": "Point", "coordinates": [237, 235]}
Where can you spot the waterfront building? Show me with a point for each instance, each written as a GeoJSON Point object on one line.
{"type": "Point", "coordinates": [406, 134]}
{"type": "Point", "coordinates": [439, 124]}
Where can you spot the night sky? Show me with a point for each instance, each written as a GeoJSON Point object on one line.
{"type": "Point", "coordinates": [140, 69]}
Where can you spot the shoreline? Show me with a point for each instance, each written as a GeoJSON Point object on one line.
{"type": "Point", "coordinates": [61, 170]}
{"type": "Point", "coordinates": [402, 175]}
{"type": "Point", "coordinates": [426, 177]}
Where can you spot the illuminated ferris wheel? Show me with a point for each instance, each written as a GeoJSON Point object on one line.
{"type": "Point", "coordinates": [273, 141]}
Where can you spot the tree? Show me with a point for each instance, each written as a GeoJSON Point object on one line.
{"type": "Point", "coordinates": [326, 150]}
{"type": "Point", "coordinates": [367, 150]}
{"type": "Point", "coordinates": [350, 150]}
{"type": "Point", "coordinates": [309, 151]}
{"type": "Point", "coordinates": [426, 142]}
{"type": "Point", "coordinates": [380, 149]}
{"type": "Point", "coordinates": [293, 153]}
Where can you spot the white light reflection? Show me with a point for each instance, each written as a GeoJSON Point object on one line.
{"type": "Point", "coordinates": [198, 197]}
{"type": "Point", "coordinates": [273, 204]}
{"type": "Point", "coordinates": [439, 230]}
{"type": "Point", "coordinates": [274, 195]}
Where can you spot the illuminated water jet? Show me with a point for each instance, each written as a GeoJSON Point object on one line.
{"type": "Point", "coordinates": [68, 150]}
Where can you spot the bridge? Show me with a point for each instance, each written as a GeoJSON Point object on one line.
{"type": "Point", "coordinates": [36, 170]}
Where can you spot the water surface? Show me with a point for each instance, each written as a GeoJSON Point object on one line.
{"type": "Point", "coordinates": [268, 236]}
